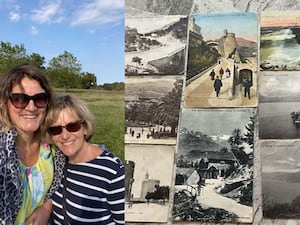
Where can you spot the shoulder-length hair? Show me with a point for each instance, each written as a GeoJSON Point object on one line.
{"type": "Point", "coordinates": [15, 77]}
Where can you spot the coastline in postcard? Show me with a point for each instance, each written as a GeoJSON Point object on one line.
{"type": "Point", "coordinates": [155, 45]}
{"type": "Point", "coordinates": [280, 179]}
{"type": "Point", "coordinates": [280, 41]}
{"type": "Point", "coordinates": [279, 105]}
{"type": "Point", "coordinates": [152, 108]}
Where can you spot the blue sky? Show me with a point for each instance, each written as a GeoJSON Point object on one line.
{"type": "Point", "coordinates": [242, 24]}
{"type": "Point", "coordinates": [91, 30]}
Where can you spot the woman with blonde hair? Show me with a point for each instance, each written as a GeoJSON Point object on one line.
{"type": "Point", "coordinates": [92, 190]}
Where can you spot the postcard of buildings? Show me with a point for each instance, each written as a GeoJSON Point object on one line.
{"type": "Point", "coordinates": [280, 179]}
{"type": "Point", "coordinates": [152, 108]}
{"type": "Point", "coordinates": [149, 170]}
{"type": "Point", "coordinates": [214, 166]}
{"type": "Point", "coordinates": [280, 40]}
{"type": "Point", "coordinates": [222, 61]}
{"type": "Point", "coordinates": [279, 105]}
{"type": "Point", "coordinates": [155, 45]}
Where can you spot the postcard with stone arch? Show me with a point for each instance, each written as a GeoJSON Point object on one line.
{"type": "Point", "coordinates": [222, 61]}
{"type": "Point", "coordinates": [149, 170]}
{"type": "Point", "coordinates": [152, 107]}
{"type": "Point", "coordinates": [214, 166]}
{"type": "Point", "coordinates": [279, 105]}
{"type": "Point", "coordinates": [280, 40]}
{"type": "Point", "coordinates": [155, 45]}
{"type": "Point", "coordinates": [280, 179]}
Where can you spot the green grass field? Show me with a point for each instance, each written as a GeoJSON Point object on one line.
{"type": "Point", "coordinates": [108, 108]}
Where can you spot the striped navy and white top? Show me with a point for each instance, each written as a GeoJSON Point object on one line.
{"type": "Point", "coordinates": [95, 192]}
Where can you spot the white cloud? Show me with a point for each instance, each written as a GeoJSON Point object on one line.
{"type": "Point", "coordinates": [34, 30]}
{"type": "Point", "coordinates": [99, 12]}
{"type": "Point", "coordinates": [14, 16]}
{"type": "Point", "coordinates": [50, 13]}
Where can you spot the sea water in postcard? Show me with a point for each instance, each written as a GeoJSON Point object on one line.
{"type": "Point", "coordinates": [279, 105]}
{"type": "Point", "coordinates": [280, 179]}
{"type": "Point", "coordinates": [280, 40]}
{"type": "Point", "coordinates": [152, 109]}
{"type": "Point", "coordinates": [222, 61]}
{"type": "Point", "coordinates": [214, 166]}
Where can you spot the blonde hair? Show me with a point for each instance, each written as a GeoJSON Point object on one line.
{"type": "Point", "coordinates": [75, 105]}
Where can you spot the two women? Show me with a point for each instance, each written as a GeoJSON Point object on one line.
{"type": "Point", "coordinates": [32, 169]}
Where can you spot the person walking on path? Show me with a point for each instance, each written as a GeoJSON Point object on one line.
{"type": "Point", "coordinates": [212, 74]}
{"type": "Point", "coordinates": [227, 73]}
{"type": "Point", "coordinates": [247, 85]}
{"type": "Point", "coordinates": [217, 85]}
{"type": "Point", "coordinates": [221, 71]}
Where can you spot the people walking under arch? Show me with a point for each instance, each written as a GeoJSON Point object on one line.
{"type": "Point", "coordinates": [247, 85]}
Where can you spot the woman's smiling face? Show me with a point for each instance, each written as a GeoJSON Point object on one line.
{"type": "Point", "coordinates": [72, 144]}
{"type": "Point", "coordinates": [29, 118]}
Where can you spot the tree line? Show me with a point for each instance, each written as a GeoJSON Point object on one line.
{"type": "Point", "coordinates": [163, 111]}
{"type": "Point", "coordinates": [63, 71]}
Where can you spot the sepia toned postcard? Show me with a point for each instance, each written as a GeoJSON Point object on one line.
{"type": "Point", "coordinates": [222, 61]}
{"type": "Point", "coordinates": [152, 107]}
{"type": "Point", "coordinates": [148, 182]}
{"type": "Point", "coordinates": [155, 45]}
{"type": "Point", "coordinates": [280, 40]}
{"type": "Point", "coordinates": [279, 105]}
{"type": "Point", "coordinates": [280, 179]}
{"type": "Point", "coordinates": [214, 166]}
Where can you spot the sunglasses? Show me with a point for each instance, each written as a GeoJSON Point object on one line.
{"type": "Point", "coordinates": [71, 127]}
{"type": "Point", "coordinates": [21, 100]}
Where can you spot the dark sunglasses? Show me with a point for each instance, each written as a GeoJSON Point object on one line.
{"type": "Point", "coordinates": [21, 100]}
{"type": "Point", "coordinates": [71, 127]}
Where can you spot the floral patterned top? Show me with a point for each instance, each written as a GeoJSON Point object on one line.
{"type": "Point", "coordinates": [11, 179]}
{"type": "Point", "coordinates": [36, 181]}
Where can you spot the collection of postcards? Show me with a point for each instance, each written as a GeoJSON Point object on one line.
{"type": "Point", "coordinates": [212, 111]}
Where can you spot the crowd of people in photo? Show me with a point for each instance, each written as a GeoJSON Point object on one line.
{"type": "Point", "coordinates": [148, 132]}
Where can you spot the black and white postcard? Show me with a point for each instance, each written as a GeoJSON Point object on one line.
{"type": "Point", "coordinates": [280, 179]}
{"type": "Point", "coordinates": [222, 61]}
{"type": "Point", "coordinates": [152, 107]}
{"type": "Point", "coordinates": [186, 7]}
{"type": "Point", "coordinates": [155, 45]}
{"type": "Point", "coordinates": [279, 105]}
{"type": "Point", "coordinates": [149, 171]}
{"type": "Point", "coordinates": [214, 166]}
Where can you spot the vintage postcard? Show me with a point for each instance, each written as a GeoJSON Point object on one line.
{"type": "Point", "coordinates": [214, 166]}
{"type": "Point", "coordinates": [155, 45]}
{"type": "Point", "coordinates": [149, 170]}
{"type": "Point", "coordinates": [279, 105]}
{"type": "Point", "coordinates": [222, 61]}
{"type": "Point", "coordinates": [280, 179]}
{"type": "Point", "coordinates": [280, 40]}
{"type": "Point", "coordinates": [152, 107]}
